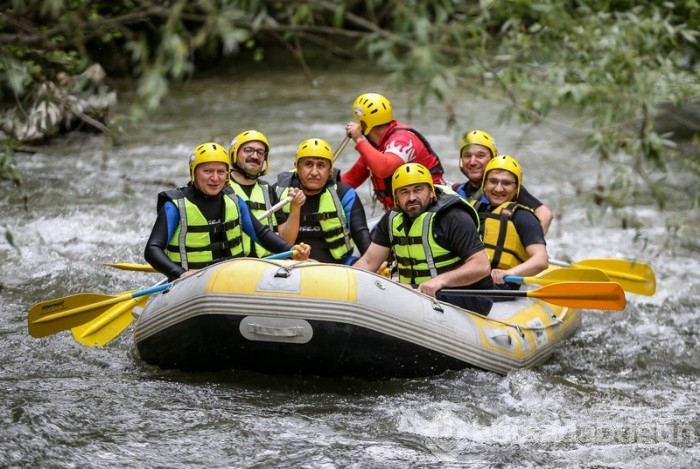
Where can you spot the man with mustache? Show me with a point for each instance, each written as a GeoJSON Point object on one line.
{"type": "Point", "coordinates": [433, 235]}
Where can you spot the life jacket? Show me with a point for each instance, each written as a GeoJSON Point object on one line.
{"type": "Point", "coordinates": [193, 243]}
{"type": "Point", "coordinates": [503, 246]}
{"type": "Point", "coordinates": [471, 197]}
{"type": "Point", "coordinates": [445, 189]}
{"type": "Point", "coordinates": [259, 202]}
{"type": "Point", "coordinates": [331, 217]}
{"type": "Point", "coordinates": [382, 187]}
{"type": "Point", "coordinates": [418, 255]}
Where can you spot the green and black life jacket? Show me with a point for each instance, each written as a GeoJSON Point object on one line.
{"type": "Point", "coordinates": [195, 240]}
{"type": "Point", "coordinates": [258, 202]}
{"type": "Point", "coordinates": [418, 255]}
{"type": "Point", "coordinates": [331, 217]}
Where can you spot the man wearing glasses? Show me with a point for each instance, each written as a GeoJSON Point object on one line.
{"type": "Point", "coordinates": [249, 153]}
{"type": "Point", "coordinates": [512, 233]}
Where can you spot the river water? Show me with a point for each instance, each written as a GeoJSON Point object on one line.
{"type": "Point", "coordinates": [623, 392]}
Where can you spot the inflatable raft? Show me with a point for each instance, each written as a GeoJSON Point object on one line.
{"type": "Point", "coordinates": [282, 316]}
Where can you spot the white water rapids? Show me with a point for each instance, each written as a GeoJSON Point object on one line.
{"type": "Point", "coordinates": [623, 392]}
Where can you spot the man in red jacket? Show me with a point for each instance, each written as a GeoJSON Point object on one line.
{"type": "Point", "coordinates": [384, 145]}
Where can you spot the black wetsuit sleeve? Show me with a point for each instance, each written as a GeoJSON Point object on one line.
{"type": "Point", "coordinates": [456, 231]}
{"type": "Point", "coordinates": [358, 226]}
{"type": "Point", "coordinates": [154, 253]}
{"type": "Point", "coordinates": [528, 227]}
{"type": "Point", "coordinates": [268, 238]}
{"type": "Point", "coordinates": [528, 200]}
{"type": "Point", "coordinates": [380, 233]}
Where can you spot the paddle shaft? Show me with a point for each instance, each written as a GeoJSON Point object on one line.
{"type": "Point", "coordinates": [586, 295]}
{"type": "Point", "coordinates": [282, 255]}
{"type": "Point", "coordinates": [274, 208]}
{"type": "Point", "coordinates": [147, 268]}
{"type": "Point", "coordinates": [341, 147]}
{"type": "Point", "coordinates": [132, 266]}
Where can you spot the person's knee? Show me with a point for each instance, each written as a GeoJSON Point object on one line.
{"type": "Point", "coordinates": [483, 305]}
{"type": "Point", "coordinates": [478, 304]}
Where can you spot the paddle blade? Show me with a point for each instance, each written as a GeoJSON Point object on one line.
{"type": "Point", "coordinates": [634, 277]}
{"type": "Point", "coordinates": [108, 325]}
{"type": "Point", "coordinates": [60, 314]}
{"type": "Point", "coordinates": [575, 275]}
{"type": "Point", "coordinates": [132, 266]}
{"type": "Point", "coordinates": [583, 295]}
{"type": "Point", "coordinates": [562, 275]}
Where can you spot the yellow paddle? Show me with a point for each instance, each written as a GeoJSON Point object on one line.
{"type": "Point", "coordinates": [132, 266]}
{"type": "Point", "coordinates": [585, 295]}
{"type": "Point", "coordinates": [60, 314]}
{"type": "Point", "coordinates": [108, 325]}
{"type": "Point", "coordinates": [562, 275]}
{"type": "Point", "coordinates": [112, 322]}
{"type": "Point", "coordinates": [633, 276]}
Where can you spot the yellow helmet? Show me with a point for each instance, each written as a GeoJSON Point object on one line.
{"type": "Point", "coordinates": [411, 173]}
{"type": "Point", "coordinates": [506, 163]}
{"type": "Point", "coordinates": [208, 153]}
{"type": "Point", "coordinates": [245, 137]}
{"type": "Point", "coordinates": [479, 137]}
{"type": "Point", "coordinates": [314, 148]}
{"type": "Point", "coordinates": [373, 109]}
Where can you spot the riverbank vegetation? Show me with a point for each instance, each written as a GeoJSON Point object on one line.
{"type": "Point", "coordinates": [628, 68]}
